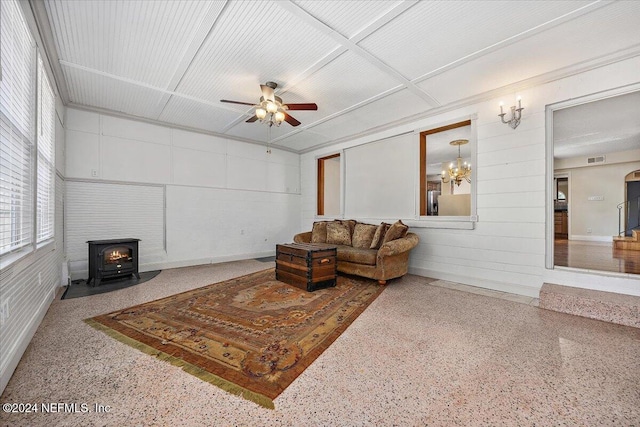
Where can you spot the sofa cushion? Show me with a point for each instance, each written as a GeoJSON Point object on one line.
{"type": "Point", "coordinates": [379, 236]}
{"type": "Point", "coordinates": [357, 255]}
{"type": "Point", "coordinates": [351, 223]}
{"type": "Point", "coordinates": [319, 232]}
{"type": "Point", "coordinates": [363, 235]}
{"type": "Point", "coordinates": [396, 231]}
{"type": "Point", "coordinates": [338, 233]}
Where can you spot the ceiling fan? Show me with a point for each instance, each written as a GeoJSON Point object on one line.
{"type": "Point", "coordinates": [271, 110]}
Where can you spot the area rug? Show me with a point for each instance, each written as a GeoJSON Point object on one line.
{"type": "Point", "coordinates": [251, 336]}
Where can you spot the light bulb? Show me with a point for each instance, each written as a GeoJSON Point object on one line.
{"type": "Point", "coordinates": [279, 116]}
{"type": "Point", "coordinates": [271, 107]}
{"type": "Point", "coordinates": [261, 113]}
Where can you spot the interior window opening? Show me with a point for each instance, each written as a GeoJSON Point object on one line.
{"type": "Point", "coordinates": [445, 170]}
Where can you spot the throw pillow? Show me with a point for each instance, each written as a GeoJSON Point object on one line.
{"type": "Point", "coordinates": [319, 232]}
{"type": "Point", "coordinates": [379, 236]}
{"type": "Point", "coordinates": [338, 234]}
{"type": "Point", "coordinates": [351, 223]}
{"type": "Point", "coordinates": [363, 235]}
{"type": "Point", "coordinates": [396, 231]}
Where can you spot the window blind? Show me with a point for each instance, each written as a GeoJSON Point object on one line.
{"type": "Point", "coordinates": [45, 160]}
{"type": "Point", "coordinates": [17, 127]}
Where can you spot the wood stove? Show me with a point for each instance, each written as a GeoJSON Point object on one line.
{"type": "Point", "coordinates": [112, 258]}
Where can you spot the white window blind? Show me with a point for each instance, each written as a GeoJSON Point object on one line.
{"type": "Point", "coordinates": [17, 128]}
{"type": "Point", "coordinates": [45, 171]}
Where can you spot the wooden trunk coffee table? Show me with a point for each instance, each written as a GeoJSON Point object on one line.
{"type": "Point", "coordinates": [308, 266]}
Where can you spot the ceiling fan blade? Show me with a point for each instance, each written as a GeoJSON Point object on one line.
{"type": "Point", "coordinates": [309, 106]}
{"type": "Point", "coordinates": [289, 119]}
{"type": "Point", "coordinates": [267, 92]}
{"type": "Point", "coordinates": [252, 119]}
{"type": "Point", "coordinates": [237, 102]}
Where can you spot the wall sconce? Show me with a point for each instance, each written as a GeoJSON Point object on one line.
{"type": "Point", "coordinates": [516, 115]}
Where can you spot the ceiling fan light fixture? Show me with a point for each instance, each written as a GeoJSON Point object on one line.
{"type": "Point", "coordinates": [271, 107]}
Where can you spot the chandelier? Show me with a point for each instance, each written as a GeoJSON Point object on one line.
{"type": "Point", "coordinates": [460, 170]}
{"type": "Point", "coordinates": [270, 112]}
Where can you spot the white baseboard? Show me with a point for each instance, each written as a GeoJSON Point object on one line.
{"type": "Point", "coordinates": [202, 261]}
{"type": "Point", "coordinates": [23, 341]}
{"type": "Point", "coordinates": [511, 288]}
{"type": "Point", "coordinates": [590, 238]}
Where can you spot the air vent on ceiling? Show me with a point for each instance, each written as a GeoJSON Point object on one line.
{"type": "Point", "coordinates": [597, 159]}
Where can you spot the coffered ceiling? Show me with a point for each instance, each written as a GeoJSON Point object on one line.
{"type": "Point", "coordinates": [367, 64]}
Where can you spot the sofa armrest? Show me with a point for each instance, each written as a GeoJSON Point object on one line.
{"type": "Point", "coordinates": [398, 246]}
{"type": "Point", "coordinates": [302, 237]}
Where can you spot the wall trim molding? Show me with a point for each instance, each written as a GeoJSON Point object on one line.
{"type": "Point", "coordinates": [512, 288]}
{"type": "Point", "coordinates": [607, 239]}
{"type": "Point", "coordinates": [165, 265]}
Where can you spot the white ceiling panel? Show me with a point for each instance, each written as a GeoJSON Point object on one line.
{"type": "Point", "coordinates": [135, 39]}
{"type": "Point", "coordinates": [431, 34]}
{"type": "Point", "coordinates": [381, 112]}
{"type": "Point", "coordinates": [347, 17]}
{"type": "Point", "coordinates": [252, 43]}
{"type": "Point", "coordinates": [332, 87]}
{"type": "Point", "coordinates": [608, 26]}
{"type": "Point", "coordinates": [302, 140]}
{"type": "Point", "coordinates": [185, 112]}
{"type": "Point", "coordinates": [91, 89]}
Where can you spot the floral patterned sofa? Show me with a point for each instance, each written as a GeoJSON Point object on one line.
{"type": "Point", "coordinates": [379, 252]}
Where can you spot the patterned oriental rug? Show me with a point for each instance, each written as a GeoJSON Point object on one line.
{"type": "Point", "coordinates": [251, 336]}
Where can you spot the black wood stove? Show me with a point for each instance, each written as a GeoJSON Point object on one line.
{"type": "Point", "coordinates": [112, 258]}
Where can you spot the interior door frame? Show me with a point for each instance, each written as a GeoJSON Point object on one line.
{"type": "Point", "coordinates": [627, 199]}
{"type": "Point", "coordinates": [549, 163]}
{"type": "Point", "coordinates": [569, 198]}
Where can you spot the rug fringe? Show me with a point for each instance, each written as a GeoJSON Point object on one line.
{"type": "Point", "coordinates": [227, 386]}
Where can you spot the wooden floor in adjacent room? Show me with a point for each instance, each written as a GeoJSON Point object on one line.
{"type": "Point", "coordinates": [595, 256]}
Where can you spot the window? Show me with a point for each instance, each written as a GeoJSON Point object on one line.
{"type": "Point", "coordinates": [17, 122]}
{"type": "Point", "coordinates": [27, 137]}
{"type": "Point", "coordinates": [329, 185]}
{"type": "Point", "coordinates": [45, 200]}
{"type": "Point", "coordinates": [440, 148]}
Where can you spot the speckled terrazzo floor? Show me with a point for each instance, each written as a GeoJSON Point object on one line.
{"type": "Point", "coordinates": [424, 353]}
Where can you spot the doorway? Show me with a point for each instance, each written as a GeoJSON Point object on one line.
{"type": "Point", "coordinates": [632, 203]}
{"type": "Point", "coordinates": [594, 141]}
{"type": "Point", "coordinates": [328, 182]}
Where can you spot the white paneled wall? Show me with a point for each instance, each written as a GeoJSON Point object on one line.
{"type": "Point", "coordinates": [506, 249]}
{"type": "Point", "coordinates": [192, 198]}
{"type": "Point", "coordinates": [98, 210]}
{"type": "Point", "coordinates": [206, 224]}
{"type": "Point", "coordinates": [379, 169]}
